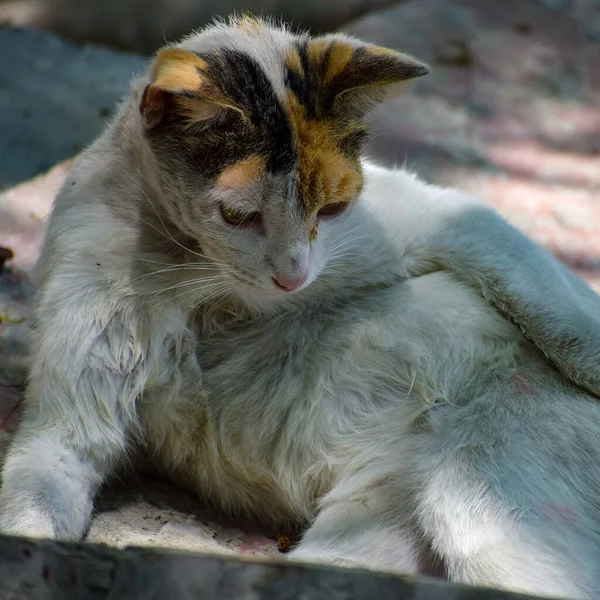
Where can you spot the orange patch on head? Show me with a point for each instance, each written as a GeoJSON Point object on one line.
{"type": "Point", "coordinates": [243, 173]}
{"type": "Point", "coordinates": [324, 173]}
{"type": "Point", "coordinates": [293, 62]}
{"type": "Point", "coordinates": [340, 56]}
{"type": "Point", "coordinates": [183, 75]}
{"type": "Point", "coordinates": [195, 111]}
{"type": "Point", "coordinates": [177, 70]}
{"type": "Point", "coordinates": [382, 51]}
{"type": "Point", "coordinates": [337, 53]}
{"type": "Point", "coordinates": [316, 50]}
{"type": "Point", "coordinates": [249, 24]}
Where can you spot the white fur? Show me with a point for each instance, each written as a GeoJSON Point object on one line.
{"type": "Point", "coordinates": [391, 404]}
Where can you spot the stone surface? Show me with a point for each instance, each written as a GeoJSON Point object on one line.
{"type": "Point", "coordinates": [143, 25]}
{"type": "Point", "coordinates": [141, 509]}
{"type": "Point", "coordinates": [54, 99]}
{"type": "Point", "coordinates": [43, 570]}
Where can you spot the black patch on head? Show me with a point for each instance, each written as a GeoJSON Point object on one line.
{"type": "Point", "coordinates": [365, 68]}
{"type": "Point", "coordinates": [308, 86]}
{"type": "Point", "coordinates": [208, 150]}
{"type": "Point", "coordinates": [204, 150]}
{"type": "Point", "coordinates": [241, 79]}
{"type": "Point", "coordinates": [318, 99]}
{"type": "Point", "coordinates": [302, 84]}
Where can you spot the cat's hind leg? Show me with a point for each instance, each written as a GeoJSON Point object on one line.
{"type": "Point", "coordinates": [516, 509]}
{"type": "Point", "coordinates": [362, 523]}
{"type": "Point", "coordinates": [347, 535]}
{"type": "Point", "coordinates": [481, 543]}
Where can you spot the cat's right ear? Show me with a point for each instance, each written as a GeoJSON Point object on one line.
{"type": "Point", "coordinates": [179, 83]}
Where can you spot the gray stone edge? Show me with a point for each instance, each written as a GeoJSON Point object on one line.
{"type": "Point", "coordinates": [44, 569]}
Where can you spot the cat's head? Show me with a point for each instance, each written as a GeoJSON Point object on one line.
{"type": "Point", "coordinates": [257, 133]}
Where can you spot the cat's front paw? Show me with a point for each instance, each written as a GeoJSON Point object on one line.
{"type": "Point", "coordinates": [25, 522]}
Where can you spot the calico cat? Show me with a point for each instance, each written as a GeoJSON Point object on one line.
{"type": "Point", "coordinates": [298, 334]}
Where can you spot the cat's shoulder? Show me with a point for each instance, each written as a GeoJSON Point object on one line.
{"type": "Point", "coordinates": [91, 231]}
{"type": "Point", "coordinates": [404, 189]}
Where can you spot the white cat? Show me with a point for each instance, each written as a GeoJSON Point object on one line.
{"type": "Point", "coordinates": [306, 337]}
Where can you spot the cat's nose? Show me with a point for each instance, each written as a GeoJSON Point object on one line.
{"type": "Point", "coordinates": [288, 284]}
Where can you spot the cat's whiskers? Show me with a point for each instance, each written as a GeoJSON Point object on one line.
{"type": "Point", "coordinates": [333, 272]}
{"type": "Point", "coordinates": [158, 262]}
{"type": "Point", "coordinates": [173, 268]}
{"type": "Point", "coordinates": [185, 296]}
{"type": "Point", "coordinates": [225, 288]}
{"type": "Point", "coordinates": [341, 260]}
{"type": "Point", "coordinates": [346, 233]}
{"type": "Point", "coordinates": [344, 250]}
{"type": "Point", "coordinates": [345, 242]}
{"type": "Point", "coordinates": [171, 238]}
{"type": "Point", "coordinates": [220, 264]}
{"type": "Point", "coordinates": [218, 292]}
{"type": "Point", "coordinates": [209, 281]}
{"type": "Point", "coordinates": [341, 250]}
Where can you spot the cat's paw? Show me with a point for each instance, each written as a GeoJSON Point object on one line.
{"type": "Point", "coordinates": [28, 522]}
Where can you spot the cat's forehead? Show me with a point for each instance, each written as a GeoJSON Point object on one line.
{"type": "Point", "coordinates": [250, 100]}
{"type": "Point", "coordinates": [265, 43]}
{"type": "Point", "coordinates": [274, 77]}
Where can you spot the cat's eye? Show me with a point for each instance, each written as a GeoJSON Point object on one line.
{"type": "Point", "coordinates": [238, 217]}
{"type": "Point", "coordinates": [333, 209]}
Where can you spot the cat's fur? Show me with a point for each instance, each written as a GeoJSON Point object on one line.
{"type": "Point", "coordinates": [428, 389]}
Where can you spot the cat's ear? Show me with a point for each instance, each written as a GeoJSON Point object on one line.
{"type": "Point", "coordinates": [357, 76]}
{"type": "Point", "coordinates": [179, 82]}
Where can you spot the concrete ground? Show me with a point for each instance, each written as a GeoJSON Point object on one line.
{"type": "Point", "coordinates": [510, 113]}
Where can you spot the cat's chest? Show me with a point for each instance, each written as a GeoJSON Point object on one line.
{"type": "Point", "coordinates": [306, 344]}
{"type": "Point", "coordinates": [311, 370]}
{"type": "Point", "coordinates": [279, 399]}
{"type": "Point", "coordinates": [272, 405]}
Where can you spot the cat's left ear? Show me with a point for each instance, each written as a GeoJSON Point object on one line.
{"type": "Point", "coordinates": [357, 76]}
{"type": "Point", "coordinates": [179, 83]}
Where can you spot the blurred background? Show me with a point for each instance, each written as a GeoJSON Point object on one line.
{"type": "Point", "coordinates": [510, 113]}
{"type": "Point", "coordinates": [143, 25]}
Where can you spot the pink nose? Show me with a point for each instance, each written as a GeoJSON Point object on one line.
{"type": "Point", "coordinates": [287, 284]}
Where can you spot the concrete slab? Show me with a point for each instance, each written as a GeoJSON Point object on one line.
{"type": "Point", "coordinates": [55, 98]}
{"type": "Point", "coordinates": [49, 570]}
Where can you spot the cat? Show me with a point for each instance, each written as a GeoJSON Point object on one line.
{"type": "Point", "coordinates": [230, 290]}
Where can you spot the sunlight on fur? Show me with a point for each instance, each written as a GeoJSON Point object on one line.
{"type": "Point", "coordinates": [230, 291]}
